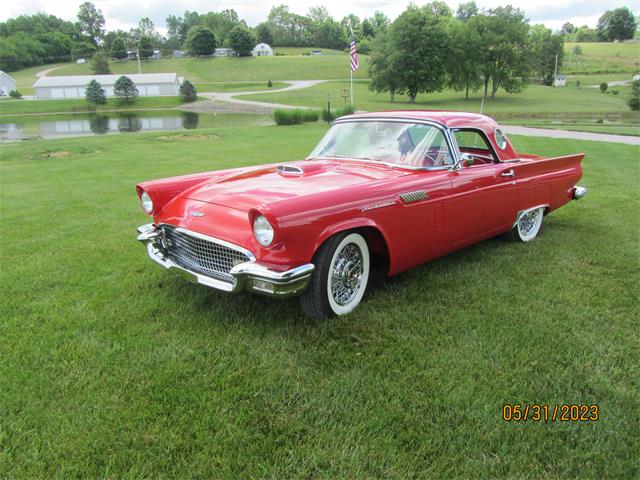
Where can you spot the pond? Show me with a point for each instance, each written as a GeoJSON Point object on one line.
{"type": "Point", "coordinates": [16, 128]}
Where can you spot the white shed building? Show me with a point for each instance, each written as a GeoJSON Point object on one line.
{"type": "Point", "coordinates": [262, 50]}
{"type": "Point", "coordinates": [148, 85]}
{"type": "Point", "coordinates": [7, 84]}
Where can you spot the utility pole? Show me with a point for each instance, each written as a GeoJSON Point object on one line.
{"type": "Point", "coordinates": [138, 57]}
{"type": "Point", "coordinates": [555, 72]}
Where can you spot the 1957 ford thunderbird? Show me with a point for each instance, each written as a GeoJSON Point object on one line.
{"type": "Point", "coordinates": [409, 186]}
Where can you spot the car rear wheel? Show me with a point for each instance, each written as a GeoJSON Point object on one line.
{"type": "Point", "coordinates": [528, 225]}
{"type": "Point", "coordinates": [340, 278]}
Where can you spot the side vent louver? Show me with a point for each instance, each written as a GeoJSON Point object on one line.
{"type": "Point", "coordinates": [415, 196]}
{"type": "Point", "coordinates": [289, 170]}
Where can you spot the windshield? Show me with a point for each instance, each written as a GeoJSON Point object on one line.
{"type": "Point", "coordinates": [400, 143]}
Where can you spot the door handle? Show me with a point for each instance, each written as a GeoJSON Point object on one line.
{"type": "Point", "coordinates": [508, 173]}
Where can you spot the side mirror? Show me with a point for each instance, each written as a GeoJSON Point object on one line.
{"type": "Point", "coordinates": [465, 159]}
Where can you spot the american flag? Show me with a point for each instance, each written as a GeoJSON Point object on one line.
{"type": "Point", "coordinates": [354, 55]}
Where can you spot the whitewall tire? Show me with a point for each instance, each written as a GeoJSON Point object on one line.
{"type": "Point", "coordinates": [340, 278]}
{"type": "Point", "coordinates": [528, 225]}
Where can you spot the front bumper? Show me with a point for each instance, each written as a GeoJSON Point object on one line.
{"type": "Point", "coordinates": [248, 276]}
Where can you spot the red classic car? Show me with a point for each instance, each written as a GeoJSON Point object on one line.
{"type": "Point", "coordinates": [409, 186]}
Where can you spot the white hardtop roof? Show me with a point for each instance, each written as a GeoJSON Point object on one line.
{"type": "Point", "coordinates": [81, 80]}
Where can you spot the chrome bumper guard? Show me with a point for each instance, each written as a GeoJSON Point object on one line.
{"type": "Point", "coordinates": [248, 276]}
{"type": "Point", "coordinates": [578, 192]}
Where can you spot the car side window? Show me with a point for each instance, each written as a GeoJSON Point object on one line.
{"type": "Point", "coordinates": [476, 144]}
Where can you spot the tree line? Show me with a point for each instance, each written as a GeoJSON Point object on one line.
{"type": "Point", "coordinates": [428, 48]}
{"type": "Point", "coordinates": [38, 39]}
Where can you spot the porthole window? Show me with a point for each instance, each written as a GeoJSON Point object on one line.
{"type": "Point", "coordinates": [501, 140]}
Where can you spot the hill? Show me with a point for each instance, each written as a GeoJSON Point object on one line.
{"type": "Point", "coordinates": [602, 57]}
{"type": "Point", "coordinates": [225, 69]}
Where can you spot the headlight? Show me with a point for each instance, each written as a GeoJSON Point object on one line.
{"type": "Point", "coordinates": [147, 203]}
{"type": "Point", "coordinates": [263, 231]}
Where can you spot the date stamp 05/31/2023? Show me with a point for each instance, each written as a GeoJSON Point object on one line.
{"type": "Point", "coordinates": [538, 412]}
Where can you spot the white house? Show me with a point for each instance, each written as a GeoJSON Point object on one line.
{"type": "Point", "coordinates": [560, 81]}
{"type": "Point", "coordinates": [7, 84]}
{"type": "Point", "coordinates": [262, 50]}
{"type": "Point", "coordinates": [148, 85]}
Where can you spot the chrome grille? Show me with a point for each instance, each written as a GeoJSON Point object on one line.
{"type": "Point", "coordinates": [415, 196]}
{"type": "Point", "coordinates": [199, 255]}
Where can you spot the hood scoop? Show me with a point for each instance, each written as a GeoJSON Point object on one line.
{"type": "Point", "coordinates": [289, 170]}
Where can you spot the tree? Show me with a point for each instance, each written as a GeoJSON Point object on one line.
{"type": "Point", "coordinates": [263, 34]}
{"type": "Point", "coordinates": [188, 92]}
{"type": "Point", "coordinates": [567, 28]}
{"type": "Point", "coordinates": [242, 40]}
{"type": "Point", "coordinates": [464, 64]}
{"type": "Point", "coordinates": [382, 66]}
{"type": "Point", "coordinates": [544, 46]}
{"type": "Point", "coordinates": [505, 59]}
{"type": "Point", "coordinates": [618, 24]}
{"type": "Point", "coordinates": [466, 11]}
{"type": "Point", "coordinates": [125, 89]}
{"type": "Point", "coordinates": [118, 50]}
{"type": "Point", "coordinates": [91, 22]}
{"type": "Point", "coordinates": [604, 86]}
{"type": "Point", "coordinates": [82, 50]}
{"type": "Point", "coordinates": [421, 42]}
{"type": "Point", "coordinates": [318, 14]}
{"type": "Point", "coordinates": [100, 64]}
{"type": "Point", "coordinates": [201, 41]}
{"type": "Point", "coordinates": [94, 93]}
{"type": "Point", "coordinates": [634, 98]}
{"type": "Point", "coordinates": [585, 34]}
{"type": "Point", "coordinates": [145, 47]}
{"type": "Point", "coordinates": [330, 34]}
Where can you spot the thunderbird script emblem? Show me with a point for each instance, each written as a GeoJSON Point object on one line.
{"type": "Point", "coordinates": [196, 213]}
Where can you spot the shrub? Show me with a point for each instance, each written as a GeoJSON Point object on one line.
{"type": "Point", "coordinates": [100, 64]}
{"type": "Point", "coordinates": [634, 98]}
{"type": "Point", "coordinates": [188, 92]}
{"type": "Point", "coordinates": [338, 112]}
{"type": "Point", "coordinates": [600, 120]}
{"type": "Point", "coordinates": [15, 94]}
{"type": "Point", "coordinates": [94, 93]}
{"type": "Point", "coordinates": [614, 92]}
{"type": "Point", "coordinates": [125, 89]}
{"type": "Point", "coordinates": [294, 117]}
{"type": "Point", "coordinates": [578, 83]}
{"type": "Point", "coordinates": [603, 87]}
{"type": "Point", "coordinates": [269, 84]}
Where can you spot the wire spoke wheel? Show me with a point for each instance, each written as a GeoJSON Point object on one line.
{"type": "Point", "coordinates": [346, 274]}
{"type": "Point", "coordinates": [528, 225]}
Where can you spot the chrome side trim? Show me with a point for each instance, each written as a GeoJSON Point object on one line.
{"type": "Point", "coordinates": [521, 213]}
{"type": "Point", "coordinates": [578, 192]}
{"type": "Point", "coordinates": [415, 196]}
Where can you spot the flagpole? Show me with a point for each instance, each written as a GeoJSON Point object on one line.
{"type": "Point", "coordinates": [351, 82]}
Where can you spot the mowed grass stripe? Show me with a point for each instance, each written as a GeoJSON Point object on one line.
{"type": "Point", "coordinates": [109, 367]}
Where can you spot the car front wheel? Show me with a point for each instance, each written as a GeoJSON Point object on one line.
{"type": "Point", "coordinates": [528, 225]}
{"type": "Point", "coordinates": [340, 278]}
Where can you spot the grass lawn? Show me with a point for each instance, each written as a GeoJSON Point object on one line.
{"type": "Point", "coordinates": [22, 107]}
{"type": "Point", "coordinates": [600, 57]}
{"type": "Point", "coordinates": [535, 99]}
{"type": "Point", "coordinates": [111, 368]}
{"type": "Point", "coordinates": [228, 69]}
{"type": "Point", "coordinates": [238, 86]}
{"type": "Point", "coordinates": [27, 77]}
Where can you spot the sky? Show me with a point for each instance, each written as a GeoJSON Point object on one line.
{"type": "Point", "coordinates": [124, 14]}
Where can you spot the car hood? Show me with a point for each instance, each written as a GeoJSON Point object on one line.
{"type": "Point", "coordinates": [273, 183]}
